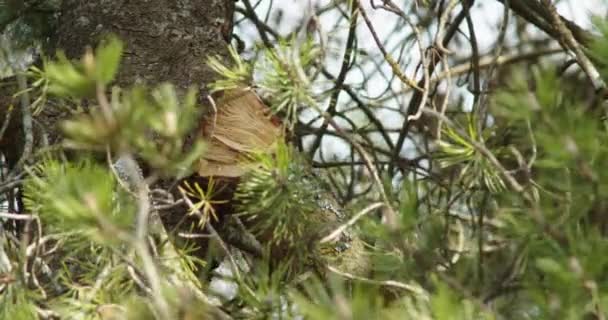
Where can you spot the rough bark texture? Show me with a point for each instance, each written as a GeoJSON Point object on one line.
{"type": "Point", "coordinates": [165, 40]}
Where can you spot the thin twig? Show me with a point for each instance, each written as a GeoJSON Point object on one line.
{"type": "Point", "coordinates": [369, 163]}
{"type": "Point", "coordinates": [338, 231]}
{"type": "Point", "coordinates": [17, 216]}
{"type": "Point", "coordinates": [417, 290]}
{"type": "Point", "coordinates": [389, 59]}
{"type": "Point", "coordinates": [419, 96]}
{"type": "Point", "coordinates": [141, 233]}
{"type": "Point", "coordinates": [339, 82]}
{"type": "Point", "coordinates": [570, 43]}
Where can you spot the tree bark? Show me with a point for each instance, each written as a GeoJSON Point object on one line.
{"type": "Point", "coordinates": [165, 40]}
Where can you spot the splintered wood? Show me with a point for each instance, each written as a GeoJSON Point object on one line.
{"type": "Point", "coordinates": [241, 126]}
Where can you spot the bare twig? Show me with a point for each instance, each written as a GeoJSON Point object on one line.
{"type": "Point", "coordinates": [414, 289]}
{"type": "Point", "coordinates": [419, 96]}
{"type": "Point", "coordinates": [339, 82]}
{"type": "Point", "coordinates": [338, 231]}
{"type": "Point", "coordinates": [132, 172]}
{"type": "Point", "coordinates": [17, 216]}
{"type": "Point", "coordinates": [7, 120]}
{"type": "Point", "coordinates": [570, 42]}
{"type": "Point", "coordinates": [389, 59]}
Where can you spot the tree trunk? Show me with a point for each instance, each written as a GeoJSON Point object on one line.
{"type": "Point", "coordinates": [165, 40]}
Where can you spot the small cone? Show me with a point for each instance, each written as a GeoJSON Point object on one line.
{"type": "Point", "coordinates": [243, 124]}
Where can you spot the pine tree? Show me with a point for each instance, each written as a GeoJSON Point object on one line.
{"type": "Point", "coordinates": [155, 165]}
